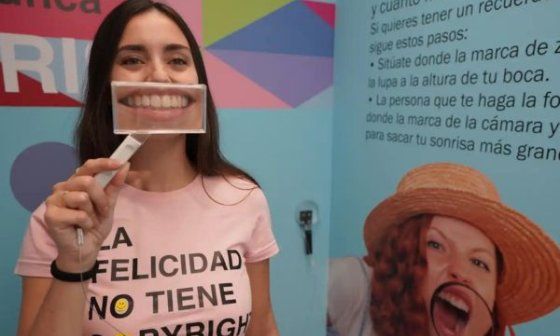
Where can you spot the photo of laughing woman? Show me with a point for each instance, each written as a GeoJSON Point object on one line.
{"type": "Point", "coordinates": [451, 259]}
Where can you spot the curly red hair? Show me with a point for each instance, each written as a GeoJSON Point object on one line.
{"type": "Point", "coordinates": [399, 265]}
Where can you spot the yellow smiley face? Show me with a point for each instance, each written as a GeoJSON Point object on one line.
{"type": "Point", "coordinates": [121, 306]}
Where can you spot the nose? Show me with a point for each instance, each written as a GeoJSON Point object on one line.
{"type": "Point", "coordinates": [458, 271]}
{"type": "Point", "coordinates": [159, 73]}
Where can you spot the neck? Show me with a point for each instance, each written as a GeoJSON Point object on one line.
{"type": "Point", "coordinates": [161, 164]}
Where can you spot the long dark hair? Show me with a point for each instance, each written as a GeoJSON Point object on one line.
{"type": "Point", "coordinates": [94, 135]}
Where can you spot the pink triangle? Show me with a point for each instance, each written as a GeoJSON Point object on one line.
{"type": "Point", "coordinates": [191, 11]}
{"type": "Point", "coordinates": [326, 11]}
{"type": "Point", "coordinates": [230, 89]}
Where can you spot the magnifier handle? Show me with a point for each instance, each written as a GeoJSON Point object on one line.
{"type": "Point", "coordinates": [123, 153]}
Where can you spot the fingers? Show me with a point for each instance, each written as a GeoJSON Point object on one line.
{"type": "Point", "coordinates": [81, 192]}
{"type": "Point", "coordinates": [79, 200]}
{"type": "Point", "coordinates": [62, 218]}
{"type": "Point", "coordinates": [96, 194]}
{"type": "Point", "coordinates": [94, 166]}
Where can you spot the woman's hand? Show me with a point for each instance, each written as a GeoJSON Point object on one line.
{"type": "Point", "coordinates": [81, 202]}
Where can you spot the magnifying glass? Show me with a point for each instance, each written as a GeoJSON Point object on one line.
{"type": "Point", "coordinates": [458, 310]}
{"type": "Point", "coordinates": [142, 109]}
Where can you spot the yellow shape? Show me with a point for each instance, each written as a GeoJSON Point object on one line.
{"type": "Point", "coordinates": [223, 17]}
{"type": "Point", "coordinates": [121, 306]}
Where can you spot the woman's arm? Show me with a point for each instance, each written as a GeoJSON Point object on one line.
{"type": "Point", "coordinates": [33, 291]}
{"type": "Point", "coordinates": [262, 318]}
{"type": "Point", "coordinates": [51, 307]}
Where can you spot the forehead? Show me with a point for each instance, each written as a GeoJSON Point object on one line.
{"type": "Point", "coordinates": [461, 232]}
{"type": "Point", "coordinates": [152, 28]}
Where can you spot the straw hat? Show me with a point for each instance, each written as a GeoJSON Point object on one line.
{"type": "Point", "coordinates": [531, 277]}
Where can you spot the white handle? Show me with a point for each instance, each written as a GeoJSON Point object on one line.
{"type": "Point", "coordinates": [123, 153]}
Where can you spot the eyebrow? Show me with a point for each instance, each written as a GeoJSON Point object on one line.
{"type": "Point", "coordinates": [483, 250]}
{"type": "Point", "coordinates": [438, 231]}
{"type": "Point", "coordinates": [142, 48]}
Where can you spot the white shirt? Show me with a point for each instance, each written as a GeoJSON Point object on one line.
{"type": "Point", "coordinates": [349, 295]}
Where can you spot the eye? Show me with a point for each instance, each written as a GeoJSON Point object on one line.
{"type": "Point", "coordinates": [435, 245]}
{"type": "Point", "coordinates": [178, 61]}
{"type": "Point", "coordinates": [481, 264]}
{"type": "Point", "coordinates": [130, 61]}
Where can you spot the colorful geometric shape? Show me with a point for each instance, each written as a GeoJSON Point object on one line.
{"type": "Point", "coordinates": [326, 11]}
{"type": "Point", "coordinates": [223, 17]}
{"type": "Point", "coordinates": [233, 90]}
{"type": "Point", "coordinates": [191, 12]}
{"type": "Point", "coordinates": [29, 87]}
{"type": "Point", "coordinates": [32, 179]}
{"type": "Point", "coordinates": [322, 101]}
{"type": "Point", "coordinates": [293, 78]}
{"type": "Point", "coordinates": [293, 29]}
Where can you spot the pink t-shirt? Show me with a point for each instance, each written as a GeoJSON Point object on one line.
{"type": "Point", "coordinates": [174, 263]}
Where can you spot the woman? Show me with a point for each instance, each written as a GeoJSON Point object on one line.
{"type": "Point", "coordinates": [446, 225]}
{"type": "Point", "coordinates": [183, 246]}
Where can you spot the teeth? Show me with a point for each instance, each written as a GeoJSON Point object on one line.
{"type": "Point", "coordinates": [137, 101]}
{"type": "Point", "coordinates": [145, 101]}
{"type": "Point", "coordinates": [166, 101]}
{"type": "Point", "coordinates": [457, 302]}
{"type": "Point", "coordinates": [157, 101]}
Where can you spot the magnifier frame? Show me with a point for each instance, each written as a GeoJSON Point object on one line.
{"type": "Point", "coordinates": [454, 283]}
{"type": "Point", "coordinates": [116, 85]}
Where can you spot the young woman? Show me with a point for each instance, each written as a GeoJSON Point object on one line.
{"type": "Point", "coordinates": [178, 243]}
{"type": "Point", "coordinates": [447, 225]}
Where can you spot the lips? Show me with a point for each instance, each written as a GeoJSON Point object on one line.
{"type": "Point", "coordinates": [452, 311]}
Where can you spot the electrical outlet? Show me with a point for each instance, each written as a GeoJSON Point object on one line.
{"type": "Point", "coordinates": [306, 217]}
{"type": "Point", "coordinates": [307, 213]}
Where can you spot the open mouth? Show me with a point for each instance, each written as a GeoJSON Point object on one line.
{"type": "Point", "coordinates": [451, 313]}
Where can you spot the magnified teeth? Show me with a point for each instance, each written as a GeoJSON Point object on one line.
{"type": "Point", "coordinates": [457, 302]}
{"type": "Point", "coordinates": [157, 101]}
{"type": "Point", "coordinates": [145, 101]}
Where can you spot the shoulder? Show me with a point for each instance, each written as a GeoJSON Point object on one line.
{"type": "Point", "coordinates": [349, 271]}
